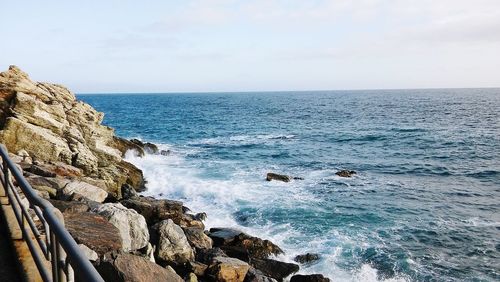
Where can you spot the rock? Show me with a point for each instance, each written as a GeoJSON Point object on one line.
{"type": "Point", "coordinates": [165, 152]}
{"type": "Point", "coordinates": [25, 156]}
{"type": "Point", "coordinates": [172, 244]}
{"type": "Point", "coordinates": [69, 206]}
{"type": "Point", "coordinates": [51, 192]}
{"type": "Point", "coordinates": [256, 247]}
{"type": "Point", "coordinates": [94, 231]}
{"type": "Point", "coordinates": [280, 177]}
{"type": "Point", "coordinates": [345, 173]}
{"type": "Point", "coordinates": [197, 238]}
{"type": "Point", "coordinates": [60, 169]}
{"type": "Point", "coordinates": [130, 268]}
{"type": "Point", "coordinates": [254, 275]}
{"type": "Point", "coordinates": [43, 194]}
{"type": "Point", "coordinates": [90, 254]}
{"type": "Point", "coordinates": [306, 258]}
{"type": "Point", "coordinates": [132, 226]}
{"type": "Point", "coordinates": [206, 256]}
{"type": "Point", "coordinates": [155, 210]}
{"type": "Point", "coordinates": [128, 192]}
{"type": "Point", "coordinates": [87, 190]}
{"type": "Point", "coordinates": [309, 278]}
{"type": "Point", "coordinates": [124, 145]}
{"type": "Point", "coordinates": [149, 148]}
{"type": "Point", "coordinates": [191, 277]}
{"type": "Point", "coordinates": [228, 269]}
{"type": "Point", "coordinates": [275, 269]}
{"type": "Point", "coordinates": [197, 268]}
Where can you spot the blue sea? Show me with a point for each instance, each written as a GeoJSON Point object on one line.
{"type": "Point", "coordinates": [424, 205]}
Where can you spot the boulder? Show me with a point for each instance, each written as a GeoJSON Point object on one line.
{"type": "Point", "coordinates": [197, 238]}
{"type": "Point", "coordinates": [69, 206]}
{"type": "Point", "coordinates": [87, 190]}
{"type": "Point", "coordinates": [197, 268]}
{"type": "Point", "coordinates": [89, 253]}
{"type": "Point", "coordinates": [226, 269]}
{"type": "Point", "coordinates": [254, 275]}
{"type": "Point", "coordinates": [128, 192]}
{"type": "Point", "coordinates": [132, 226]}
{"type": "Point", "coordinates": [307, 258]}
{"type": "Point", "coordinates": [280, 177]}
{"type": "Point", "coordinates": [124, 145]}
{"type": "Point", "coordinates": [94, 231]}
{"type": "Point", "coordinates": [345, 173]}
{"type": "Point", "coordinates": [149, 148]}
{"type": "Point", "coordinates": [309, 278]}
{"type": "Point", "coordinates": [172, 246]}
{"type": "Point", "coordinates": [155, 210]}
{"type": "Point", "coordinates": [130, 268]}
{"type": "Point", "coordinates": [256, 247]}
{"type": "Point", "coordinates": [275, 269]}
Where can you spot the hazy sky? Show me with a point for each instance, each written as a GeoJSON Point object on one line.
{"type": "Point", "coordinates": [170, 46]}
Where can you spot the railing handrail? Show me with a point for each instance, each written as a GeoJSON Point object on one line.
{"type": "Point", "coordinates": [82, 267]}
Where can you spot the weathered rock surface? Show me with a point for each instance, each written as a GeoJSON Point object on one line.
{"type": "Point", "coordinates": [275, 269]}
{"type": "Point", "coordinates": [197, 238]}
{"type": "Point", "coordinates": [130, 268]}
{"type": "Point", "coordinates": [89, 253]}
{"type": "Point", "coordinates": [307, 258]}
{"type": "Point", "coordinates": [309, 278]}
{"type": "Point", "coordinates": [69, 206]}
{"type": "Point", "coordinates": [94, 231]}
{"type": "Point", "coordinates": [132, 226]}
{"type": "Point", "coordinates": [171, 243]}
{"type": "Point", "coordinates": [280, 177]}
{"type": "Point", "coordinates": [228, 269]}
{"type": "Point", "coordinates": [254, 275]}
{"type": "Point", "coordinates": [47, 124]}
{"type": "Point", "coordinates": [88, 191]}
{"type": "Point", "coordinates": [345, 173]}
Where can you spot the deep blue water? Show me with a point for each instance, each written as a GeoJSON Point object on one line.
{"type": "Point", "coordinates": [425, 205]}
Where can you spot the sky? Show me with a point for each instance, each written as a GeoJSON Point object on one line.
{"type": "Point", "coordinates": [209, 46]}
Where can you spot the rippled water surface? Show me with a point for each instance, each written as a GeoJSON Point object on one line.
{"type": "Point", "coordinates": [424, 206]}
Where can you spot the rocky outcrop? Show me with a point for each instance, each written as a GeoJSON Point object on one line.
{"type": "Point", "coordinates": [48, 123]}
{"type": "Point", "coordinates": [345, 173]}
{"type": "Point", "coordinates": [132, 226]}
{"type": "Point", "coordinates": [130, 268]}
{"type": "Point", "coordinates": [172, 245]}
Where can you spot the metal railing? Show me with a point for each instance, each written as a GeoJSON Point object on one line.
{"type": "Point", "coordinates": [58, 248]}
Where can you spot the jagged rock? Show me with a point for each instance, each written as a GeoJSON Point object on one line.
{"type": "Point", "coordinates": [155, 210]}
{"type": "Point", "coordinates": [132, 226]}
{"type": "Point", "coordinates": [254, 275]}
{"type": "Point", "coordinates": [128, 192]}
{"type": "Point", "coordinates": [275, 269]}
{"type": "Point", "coordinates": [69, 206]}
{"type": "Point", "coordinates": [345, 173]}
{"type": "Point", "coordinates": [150, 148]}
{"type": "Point", "coordinates": [197, 238]}
{"type": "Point", "coordinates": [172, 244]}
{"type": "Point", "coordinates": [87, 190]}
{"type": "Point", "coordinates": [280, 177]}
{"type": "Point", "coordinates": [256, 247]}
{"type": "Point", "coordinates": [124, 145]}
{"type": "Point", "coordinates": [130, 268]}
{"type": "Point", "coordinates": [228, 269]}
{"type": "Point", "coordinates": [306, 258]}
{"type": "Point", "coordinates": [89, 253]}
{"type": "Point", "coordinates": [309, 278]}
{"type": "Point", "coordinates": [94, 231]}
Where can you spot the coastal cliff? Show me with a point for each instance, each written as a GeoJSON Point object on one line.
{"type": "Point", "coordinates": [76, 163]}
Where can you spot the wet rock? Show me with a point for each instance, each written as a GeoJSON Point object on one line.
{"type": "Point", "coordinates": [228, 269]}
{"type": "Point", "coordinates": [256, 247]}
{"type": "Point", "coordinates": [254, 275]}
{"type": "Point", "coordinates": [165, 152]}
{"type": "Point", "coordinates": [197, 238]}
{"type": "Point", "coordinates": [172, 244]}
{"type": "Point", "coordinates": [307, 258]}
{"type": "Point", "coordinates": [130, 268]}
{"type": "Point", "coordinates": [149, 148]}
{"type": "Point", "coordinates": [280, 177]}
{"type": "Point", "coordinates": [87, 190]}
{"type": "Point", "coordinates": [124, 145]}
{"type": "Point", "coordinates": [275, 269]}
{"type": "Point", "coordinates": [94, 231]}
{"type": "Point", "coordinates": [345, 173]}
{"type": "Point", "coordinates": [133, 229]}
{"type": "Point", "coordinates": [309, 278]}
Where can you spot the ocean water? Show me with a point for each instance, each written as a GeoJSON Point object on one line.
{"type": "Point", "coordinates": [424, 206]}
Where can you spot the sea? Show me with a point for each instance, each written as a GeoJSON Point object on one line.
{"type": "Point", "coordinates": [423, 206]}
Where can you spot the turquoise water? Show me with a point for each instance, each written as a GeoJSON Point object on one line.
{"type": "Point", "coordinates": [425, 205]}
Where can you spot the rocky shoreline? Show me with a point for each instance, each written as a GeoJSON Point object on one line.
{"type": "Point", "coordinates": [77, 164]}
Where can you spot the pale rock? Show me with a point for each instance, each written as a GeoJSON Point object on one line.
{"type": "Point", "coordinates": [89, 253]}
{"type": "Point", "coordinates": [133, 229]}
{"type": "Point", "coordinates": [173, 246]}
{"type": "Point", "coordinates": [88, 191]}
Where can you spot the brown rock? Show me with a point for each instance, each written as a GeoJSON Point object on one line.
{"type": "Point", "coordinates": [131, 268]}
{"type": "Point", "coordinates": [226, 269]}
{"type": "Point", "coordinates": [197, 238]}
{"type": "Point", "coordinates": [94, 231]}
{"type": "Point", "coordinates": [155, 210]}
{"type": "Point", "coordinates": [70, 206]}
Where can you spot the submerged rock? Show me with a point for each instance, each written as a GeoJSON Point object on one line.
{"type": "Point", "coordinates": [306, 258]}
{"type": "Point", "coordinates": [280, 177]}
{"type": "Point", "coordinates": [345, 173]}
